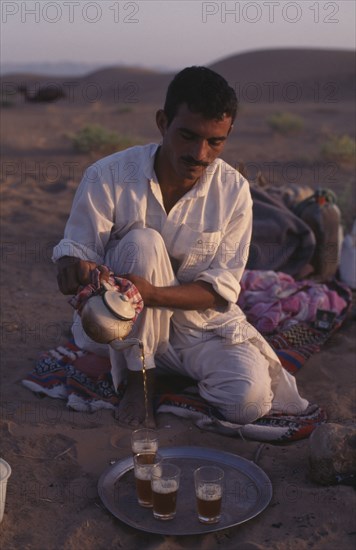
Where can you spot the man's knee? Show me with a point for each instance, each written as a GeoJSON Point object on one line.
{"type": "Point", "coordinates": [246, 410]}
{"type": "Point", "coordinates": [138, 249]}
{"type": "Point", "coordinates": [243, 402]}
{"type": "Point", "coordinates": [142, 244]}
{"type": "Point", "coordinates": [145, 236]}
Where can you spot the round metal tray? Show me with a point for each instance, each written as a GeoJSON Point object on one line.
{"type": "Point", "coordinates": [247, 491]}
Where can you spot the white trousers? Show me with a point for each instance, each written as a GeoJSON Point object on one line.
{"type": "Point", "coordinates": [244, 379]}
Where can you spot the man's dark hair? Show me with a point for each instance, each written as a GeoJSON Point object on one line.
{"type": "Point", "coordinates": [204, 91]}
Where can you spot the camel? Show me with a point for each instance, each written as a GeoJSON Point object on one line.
{"type": "Point", "coordinates": [42, 95]}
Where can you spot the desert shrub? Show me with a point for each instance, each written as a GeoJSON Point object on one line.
{"type": "Point", "coordinates": [285, 123]}
{"type": "Point", "coordinates": [94, 138]}
{"type": "Point", "coordinates": [339, 148]}
{"type": "Point", "coordinates": [124, 110]}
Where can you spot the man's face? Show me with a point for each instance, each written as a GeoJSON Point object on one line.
{"type": "Point", "coordinates": [191, 142]}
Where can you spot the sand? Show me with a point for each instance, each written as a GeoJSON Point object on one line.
{"type": "Point", "coordinates": [57, 455]}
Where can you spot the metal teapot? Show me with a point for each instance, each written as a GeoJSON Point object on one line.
{"type": "Point", "coordinates": [107, 316]}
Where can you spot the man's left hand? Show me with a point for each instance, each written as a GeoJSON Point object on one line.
{"type": "Point", "coordinates": [143, 286]}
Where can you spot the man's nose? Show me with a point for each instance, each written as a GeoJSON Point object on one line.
{"type": "Point", "coordinates": [200, 150]}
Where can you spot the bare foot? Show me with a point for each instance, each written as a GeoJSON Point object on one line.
{"type": "Point", "coordinates": [132, 409]}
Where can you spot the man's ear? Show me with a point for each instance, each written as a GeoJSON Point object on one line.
{"type": "Point", "coordinates": [161, 121]}
{"type": "Point", "coordinates": [231, 127]}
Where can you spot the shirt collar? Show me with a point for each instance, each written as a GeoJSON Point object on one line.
{"type": "Point", "coordinates": [199, 189]}
{"type": "Point", "coordinates": [148, 168]}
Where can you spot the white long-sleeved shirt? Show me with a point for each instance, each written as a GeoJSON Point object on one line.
{"type": "Point", "coordinates": [207, 232]}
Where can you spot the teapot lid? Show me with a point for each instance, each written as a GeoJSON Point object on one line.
{"type": "Point", "coordinates": [119, 305]}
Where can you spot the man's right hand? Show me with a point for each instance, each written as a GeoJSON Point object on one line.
{"type": "Point", "coordinates": [73, 273]}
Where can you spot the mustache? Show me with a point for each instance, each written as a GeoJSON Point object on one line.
{"type": "Point", "coordinates": [193, 162]}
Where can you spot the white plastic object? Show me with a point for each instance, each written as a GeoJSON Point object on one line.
{"type": "Point", "coordinates": [5, 472]}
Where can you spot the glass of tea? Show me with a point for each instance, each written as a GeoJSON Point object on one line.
{"type": "Point", "coordinates": [143, 464]}
{"type": "Point", "coordinates": [165, 478]}
{"type": "Point", "coordinates": [209, 483]}
{"type": "Point", "coordinates": [144, 440]}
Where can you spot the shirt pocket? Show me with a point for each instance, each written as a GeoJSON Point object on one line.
{"type": "Point", "coordinates": [194, 250]}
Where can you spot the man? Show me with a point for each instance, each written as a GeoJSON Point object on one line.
{"type": "Point", "coordinates": [176, 221]}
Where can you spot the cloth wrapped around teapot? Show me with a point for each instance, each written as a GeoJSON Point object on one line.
{"type": "Point", "coordinates": [108, 309]}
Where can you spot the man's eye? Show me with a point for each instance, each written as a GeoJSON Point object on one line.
{"type": "Point", "coordinates": [215, 142]}
{"type": "Point", "coordinates": [187, 136]}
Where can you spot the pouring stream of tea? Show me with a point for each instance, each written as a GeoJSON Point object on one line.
{"type": "Point", "coordinates": [144, 374]}
{"type": "Point", "coordinates": [128, 342]}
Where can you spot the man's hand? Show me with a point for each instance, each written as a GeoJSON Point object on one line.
{"type": "Point", "coordinates": [145, 288]}
{"type": "Point", "coordinates": [73, 273]}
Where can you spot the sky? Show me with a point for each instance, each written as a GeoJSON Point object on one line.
{"type": "Point", "coordinates": [167, 34]}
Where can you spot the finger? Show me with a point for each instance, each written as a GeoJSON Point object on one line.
{"type": "Point", "coordinates": [83, 272]}
{"type": "Point", "coordinates": [104, 273]}
{"type": "Point", "coordinates": [60, 283]}
{"type": "Point", "coordinates": [67, 281]}
{"type": "Point", "coordinates": [63, 287]}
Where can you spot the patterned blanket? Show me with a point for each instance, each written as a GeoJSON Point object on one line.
{"type": "Point", "coordinates": [84, 381]}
